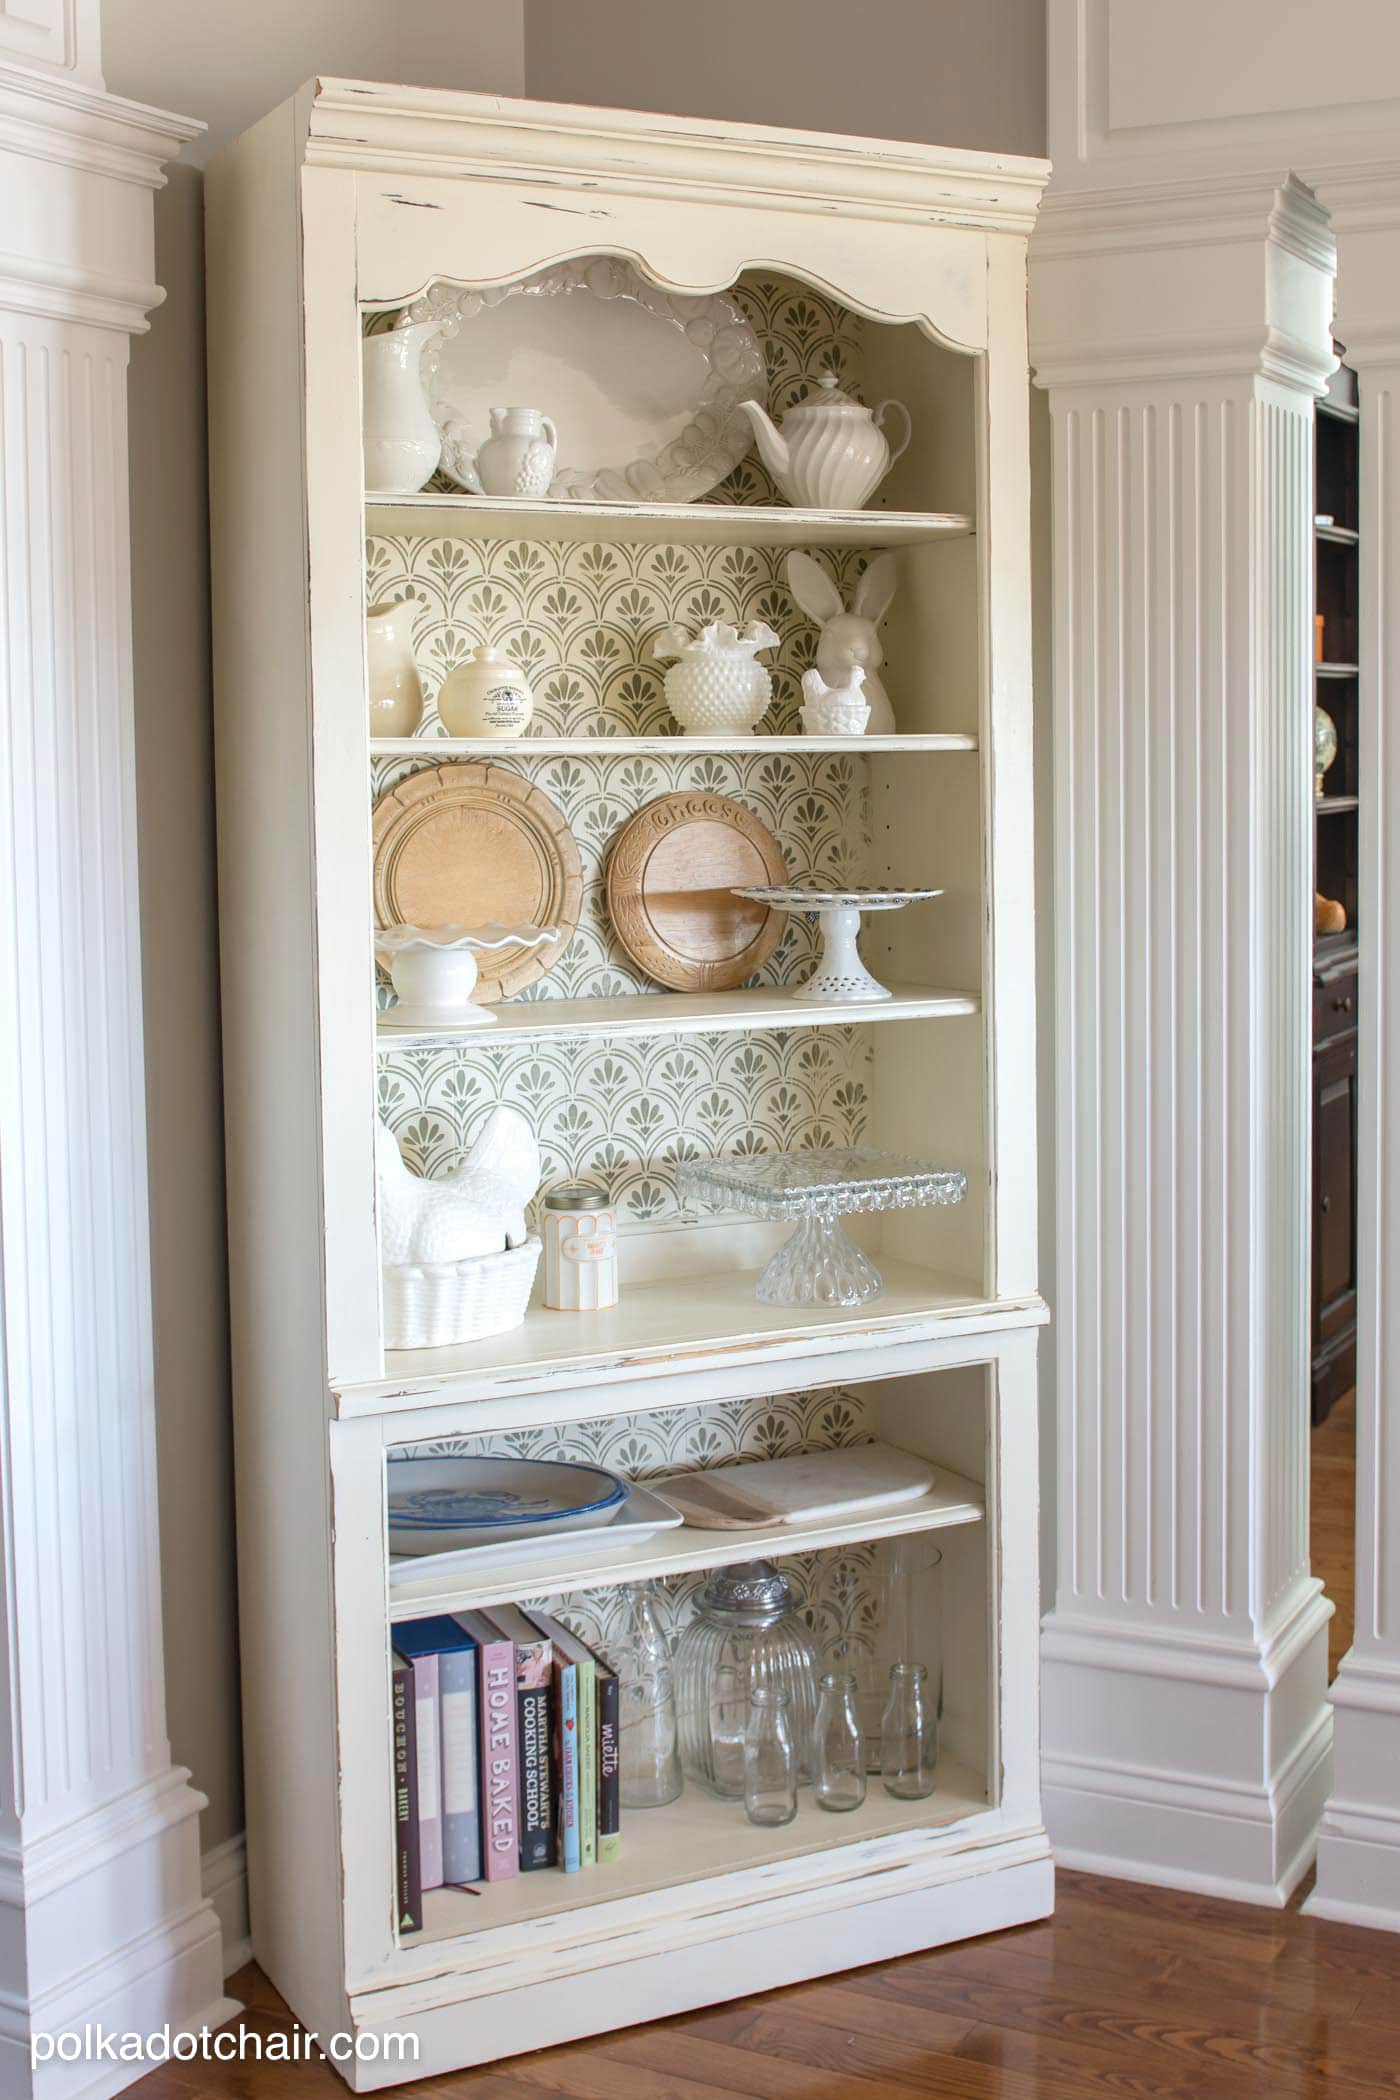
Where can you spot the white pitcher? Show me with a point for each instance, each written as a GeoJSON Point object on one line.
{"type": "Point", "coordinates": [518, 457]}
{"type": "Point", "coordinates": [402, 446]}
{"type": "Point", "coordinates": [395, 689]}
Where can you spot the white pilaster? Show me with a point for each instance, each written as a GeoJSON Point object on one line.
{"type": "Point", "coordinates": [1358, 1851]}
{"type": "Point", "coordinates": [1182, 330]}
{"type": "Point", "coordinates": [102, 1918]}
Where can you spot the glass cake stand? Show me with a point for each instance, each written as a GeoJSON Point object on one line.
{"type": "Point", "coordinates": [840, 978]}
{"type": "Point", "coordinates": [819, 1264]}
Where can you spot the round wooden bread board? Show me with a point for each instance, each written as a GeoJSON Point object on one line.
{"type": "Point", "coordinates": [471, 844]}
{"type": "Point", "coordinates": [672, 874]}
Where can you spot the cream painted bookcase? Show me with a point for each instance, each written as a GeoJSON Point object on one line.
{"type": "Point", "coordinates": [904, 267]}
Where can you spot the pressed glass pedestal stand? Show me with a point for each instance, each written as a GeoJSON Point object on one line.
{"type": "Point", "coordinates": [840, 978]}
{"type": "Point", "coordinates": [819, 1264]}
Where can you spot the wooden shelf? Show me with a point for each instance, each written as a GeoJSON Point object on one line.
{"type": "Point", "coordinates": [1338, 535]}
{"type": "Point", "coordinates": [696, 1837]}
{"type": "Point", "coordinates": [679, 1013]}
{"type": "Point", "coordinates": [676, 524]}
{"type": "Point", "coordinates": [1336, 805]}
{"type": "Point", "coordinates": [1335, 670]}
{"type": "Point", "coordinates": [448, 747]}
{"type": "Point", "coordinates": [1338, 411]}
{"type": "Point", "coordinates": [951, 1500]}
{"type": "Point", "coordinates": [695, 1323]}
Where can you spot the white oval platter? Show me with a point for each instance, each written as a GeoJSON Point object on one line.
{"type": "Point", "coordinates": [643, 384]}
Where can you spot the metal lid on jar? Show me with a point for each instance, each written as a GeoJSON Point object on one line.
{"type": "Point", "coordinates": [578, 1195]}
{"type": "Point", "coordinates": [754, 1593]}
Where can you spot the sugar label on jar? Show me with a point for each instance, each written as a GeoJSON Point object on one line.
{"type": "Point", "coordinates": [502, 706]}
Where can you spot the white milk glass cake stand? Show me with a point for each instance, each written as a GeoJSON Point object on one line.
{"type": "Point", "coordinates": [820, 1264]}
{"type": "Point", "coordinates": [840, 978]}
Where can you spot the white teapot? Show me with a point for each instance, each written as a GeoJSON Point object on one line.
{"type": "Point", "coordinates": [831, 453]}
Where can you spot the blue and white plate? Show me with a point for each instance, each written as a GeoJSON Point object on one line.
{"type": "Point", "coordinates": [440, 1505]}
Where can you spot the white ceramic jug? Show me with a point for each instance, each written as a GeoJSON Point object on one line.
{"type": "Point", "coordinates": [518, 457]}
{"type": "Point", "coordinates": [395, 690]}
{"type": "Point", "coordinates": [402, 446]}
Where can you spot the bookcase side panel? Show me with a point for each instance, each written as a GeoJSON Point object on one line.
{"type": "Point", "coordinates": [1008, 819]}
{"type": "Point", "coordinates": [271, 1065]}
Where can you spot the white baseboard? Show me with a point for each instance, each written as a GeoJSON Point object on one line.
{"type": "Point", "coordinates": [1188, 1762]}
{"type": "Point", "coordinates": [1358, 1844]}
{"type": "Point", "coordinates": [106, 1927]}
{"type": "Point", "coordinates": [224, 1874]}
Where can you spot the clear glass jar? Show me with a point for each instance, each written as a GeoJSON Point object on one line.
{"type": "Point", "coordinates": [744, 1633]}
{"type": "Point", "coordinates": [770, 1759]}
{"type": "Point", "coordinates": [909, 1735]}
{"type": "Point", "coordinates": [649, 1773]}
{"type": "Point", "coordinates": [838, 1747]}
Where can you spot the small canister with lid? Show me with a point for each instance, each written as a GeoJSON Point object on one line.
{"type": "Point", "coordinates": [487, 696]}
{"type": "Point", "coordinates": [580, 1249]}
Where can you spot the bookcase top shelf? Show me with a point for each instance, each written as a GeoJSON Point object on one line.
{"type": "Point", "coordinates": [670, 524]}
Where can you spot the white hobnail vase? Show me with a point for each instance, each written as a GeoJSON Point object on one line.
{"type": "Point", "coordinates": [717, 687]}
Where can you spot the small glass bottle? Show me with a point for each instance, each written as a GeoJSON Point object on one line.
{"type": "Point", "coordinates": [909, 1736]}
{"type": "Point", "coordinates": [770, 1759]}
{"type": "Point", "coordinates": [649, 1755]}
{"type": "Point", "coordinates": [838, 1751]}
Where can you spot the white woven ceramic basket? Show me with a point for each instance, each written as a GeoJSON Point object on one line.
{"type": "Point", "coordinates": [432, 1305]}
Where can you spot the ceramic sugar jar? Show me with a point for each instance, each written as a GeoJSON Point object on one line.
{"type": "Point", "coordinates": [717, 687]}
{"type": "Point", "coordinates": [487, 695]}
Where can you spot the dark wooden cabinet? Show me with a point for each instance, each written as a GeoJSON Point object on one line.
{"type": "Point", "coordinates": [1334, 1191]}
{"type": "Point", "coordinates": [1335, 985]}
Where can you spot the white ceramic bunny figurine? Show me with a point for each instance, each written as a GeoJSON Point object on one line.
{"type": "Point", "coordinates": [849, 638]}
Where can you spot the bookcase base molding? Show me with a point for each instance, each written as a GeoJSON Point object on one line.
{"type": "Point", "coordinates": [900, 270]}
{"type": "Point", "coordinates": [744, 1938]}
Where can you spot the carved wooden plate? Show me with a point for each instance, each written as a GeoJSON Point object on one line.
{"type": "Point", "coordinates": [672, 875]}
{"type": "Point", "coordinates": [472, 843]}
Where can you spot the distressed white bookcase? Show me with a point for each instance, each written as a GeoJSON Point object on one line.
{"type": "Point", "coordinates": [906, 264]}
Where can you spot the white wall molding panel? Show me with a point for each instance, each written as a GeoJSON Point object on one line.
{"type": "Point", "coordinates": [102, 1918]}
{"type": "Point", "coordinates": [1182, 330]}
{"type": "Point", "coordinates": [1358, 1853]}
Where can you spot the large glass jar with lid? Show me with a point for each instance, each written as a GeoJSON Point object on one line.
{"type": "Point", "coordinates": [745, 1633]}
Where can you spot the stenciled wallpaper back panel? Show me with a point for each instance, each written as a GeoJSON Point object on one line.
{"type": "Point", "coordinates": [581, 620]}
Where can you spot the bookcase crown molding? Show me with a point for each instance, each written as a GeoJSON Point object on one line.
{"type": "Point", "coordinates": [430, 131]}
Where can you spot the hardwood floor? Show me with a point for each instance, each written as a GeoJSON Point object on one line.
{"type": "Point", "coordinates": [1127, 1993]}
{"type": "Point", "coordinates": [1334, 1521]}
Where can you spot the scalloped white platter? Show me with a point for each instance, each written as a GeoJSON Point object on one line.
{"type": "Point", "coordinates": [639, 1518]}
{"type": "Point", "coordinates": [643, 384]}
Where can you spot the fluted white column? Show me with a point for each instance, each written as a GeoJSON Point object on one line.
{"type": "Point", "coordinates": [101, 1915]}
{"type": "Point", "coordinates": [1182, 332]}
{"type": "Point", "coordinates": [1358, 1853]}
